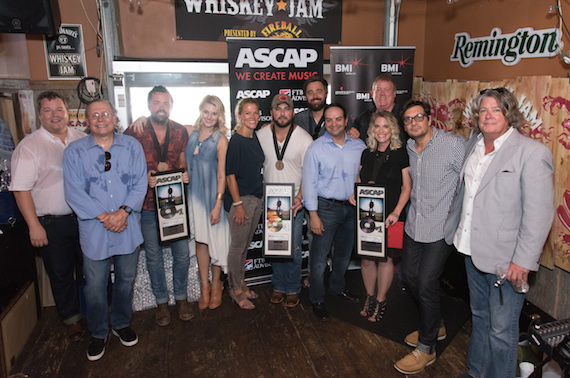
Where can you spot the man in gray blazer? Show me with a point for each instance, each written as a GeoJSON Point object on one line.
{"type": "Point", "coordinates": [500, 217]}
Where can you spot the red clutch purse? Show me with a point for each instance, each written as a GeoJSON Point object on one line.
{"type": "Point", "coordinates": [396, 235]}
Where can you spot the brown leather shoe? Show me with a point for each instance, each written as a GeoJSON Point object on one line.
{"type": "Point", "coordinates": [74, 331]}
{"type": "Point", "coordinates": [277, 297]}
{"type": "Point", "coordinates": [184, 310]}
{"type": "Point", "coordinates": [292, 300]}
{"type": "Point", "coordinates": [162, 315]}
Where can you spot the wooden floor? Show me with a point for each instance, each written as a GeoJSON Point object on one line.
{"type": "Point", "coordinates": [271, 341]}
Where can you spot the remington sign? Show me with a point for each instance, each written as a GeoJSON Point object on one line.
{"type": "Point", "coordinates": [509, 48]}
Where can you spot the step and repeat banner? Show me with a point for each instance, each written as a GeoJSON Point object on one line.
{"type": "Point", "coordinates": [263, 67]}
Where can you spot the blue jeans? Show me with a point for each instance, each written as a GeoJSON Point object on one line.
{"type": "Point", "coordinates": [96, 281]}
{"type": "Point", "coordinates": [494, 339]}
{"type": "Point", "coordinates": [62, 260]}
{"type": "Point", "coordinates": [338, 222]}
{"type": "Point", "coordinates": [287, 272]}
{"type": "Point", "coordinates": [155, 261]}
{"type": "Point", "coordinates": [422, 265]}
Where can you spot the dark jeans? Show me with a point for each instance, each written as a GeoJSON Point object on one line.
{"type": "Point", "coordinates": [338, 222]}
{"type": "Point", "coordinates": [62, 259]}
{"type": "Point", "coordinates": [422, 265]}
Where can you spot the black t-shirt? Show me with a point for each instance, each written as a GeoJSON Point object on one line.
{"type": "Point", "coordinates": [244, 159]}
{"type": "Point", "coordinates": [388, 175]}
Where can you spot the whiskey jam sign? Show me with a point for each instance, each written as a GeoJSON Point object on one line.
{"type": "Point", "coordinates": [509, 48]}
{"type": "Point", "coordinates": [215, 20]}
{"type": "Point", "coordinates": [65, 54]}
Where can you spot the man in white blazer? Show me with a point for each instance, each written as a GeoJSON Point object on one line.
{"type": "Point", "coordinates": [501, 216]}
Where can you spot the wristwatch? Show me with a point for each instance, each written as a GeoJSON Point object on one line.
{"type": "Point", "coordinates": [127, 209]}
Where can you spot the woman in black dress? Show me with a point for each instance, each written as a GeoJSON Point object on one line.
{"type": "Point", "coordinates": [385, 162]}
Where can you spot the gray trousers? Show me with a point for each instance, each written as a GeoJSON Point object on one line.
{"type": "Point", "coordinates": [241, 238]}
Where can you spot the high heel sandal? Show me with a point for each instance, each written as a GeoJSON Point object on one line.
{"type": "Point", "coordinates": [216, 295]}
{"type": "Point", "coordinates": [250, 294]}
{"type": "Point", "coordinates": [241, 300]}
{"type": "Point", "coordinates": [204, 300]}
{"type": "Point", "coordinates": [378, 312]}
{"type": "Point", "coordinates": [368, 306]}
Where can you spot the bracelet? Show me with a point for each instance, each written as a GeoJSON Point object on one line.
{"type": "Point", "coordinates": [236, 204]}
{"type": "Point", "coordinates": [300, 199]}
{"type": "Point", "coordinates": [219, 196]}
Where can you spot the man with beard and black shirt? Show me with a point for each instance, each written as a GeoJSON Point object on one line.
{"type": "Point", "coordinates": [311, 119]}
{"type": "Point", "coordinates": [284, 145]}
{"type": "Point", "coordinates": [164, 142]}
{"type": "Point", "coordinates": [384, 96]}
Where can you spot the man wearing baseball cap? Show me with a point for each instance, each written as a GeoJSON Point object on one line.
{"type": "Point", "coordinates": [284, 145]}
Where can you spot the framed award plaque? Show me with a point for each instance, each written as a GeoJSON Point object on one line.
{"type": "Point", "coordinates": [370, 220]}
{"type": "Point", "coordinates": [278, 220]}
{"type": "Point", "coordinates": [171, 208]}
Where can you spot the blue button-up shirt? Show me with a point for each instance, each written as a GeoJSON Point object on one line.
{"type": "Point", "coordinates": [90, 191]}
{"type": "Point", "coordinates": [329, 170]}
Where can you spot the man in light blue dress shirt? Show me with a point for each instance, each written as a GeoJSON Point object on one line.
{"type": "Point", "coordinates": [105, 182]}
{"type": "Point", "coordinates": [330, 169]}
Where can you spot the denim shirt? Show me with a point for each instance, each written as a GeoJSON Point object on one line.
{"type": "Point", "coordinates": [91, 191]}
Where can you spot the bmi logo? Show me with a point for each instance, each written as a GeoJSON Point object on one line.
{"type": "Point", "coordinates": [389, 67]}
{"type": "Point", "coordinates": [343, 68]}
{"type": "Point", "coordinates": [285, 92]}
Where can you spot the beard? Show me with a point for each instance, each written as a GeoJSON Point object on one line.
{"type": "Point", "coordinates": [316, 106]}
{"type": "Point", "coordinates": [286, 123]}
{"type": "Point", "coordinates": [159, 119]}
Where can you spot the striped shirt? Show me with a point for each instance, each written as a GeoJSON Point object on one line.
{"type": "Point", "coordinates": [435, 175]}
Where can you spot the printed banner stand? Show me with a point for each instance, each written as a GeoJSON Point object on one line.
{"type": "Point", "coordinates": [370, 220]}
{"type": "Point", "coordinates": [171, 209]}
{"type": "Point", "coordinates": [278, 220]}
{"type": "Point", "coordinates": [264, 67]}
{"type": "Point", "coordinates": [353, 70]}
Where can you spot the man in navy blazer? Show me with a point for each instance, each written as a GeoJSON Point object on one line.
{"type": "Point", "coordinates": [500, 217]}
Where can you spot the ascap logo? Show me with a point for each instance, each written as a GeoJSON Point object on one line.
{"type": "Point", "coordinates": [256, 244]}
{"type": "Point", "coordinates": [253, 93]}
{"type": "Point", "coordinates": [278, 57]}
{"type": "Point", "coordinates": [162, 180]}
{"type": "Point", "coordinates": [371, 192]}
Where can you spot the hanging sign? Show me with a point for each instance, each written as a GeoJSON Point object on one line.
{"type": "Point", "coordinates": [65, 54]}
{"type": "Point", "coordinates": [215, 20]}
{"type": "Point", "coordinates": [508, 48]}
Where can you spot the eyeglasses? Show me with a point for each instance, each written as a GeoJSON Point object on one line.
{"type": "Point", "coordinates": [418, 118]}
{"type": "Point", "coordinates": [96, 116]}
{"type": "Point", "coordinates": [107, 162]}
{"type": "Point", "coordinates": [500, 90]}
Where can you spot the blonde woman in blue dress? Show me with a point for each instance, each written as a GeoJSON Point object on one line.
{"type": "Point", "coordinates": [206, 158]}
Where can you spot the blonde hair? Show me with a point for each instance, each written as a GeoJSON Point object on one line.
{"type": "Point", "coordinates": [239, 109]}
{"type": "Point", "coordinates": [395, 141]}
{"type": "Point", "coordinates": [217, 103]}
